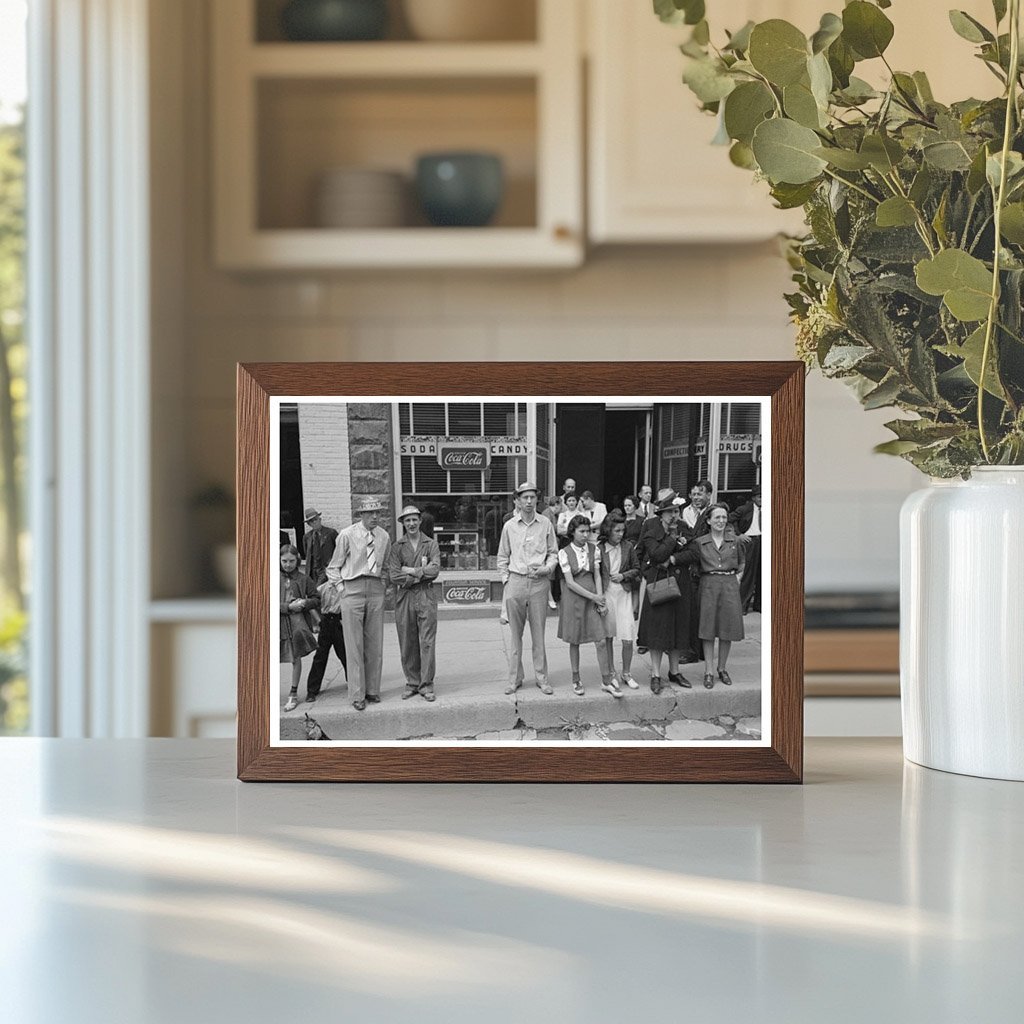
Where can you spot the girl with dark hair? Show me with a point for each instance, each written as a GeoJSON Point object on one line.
{"type": "Point", "coordinates": [583, 606]}
{"type": "Point", "coordinates": [298, 599]}
{"type": "Point", "coordinates": [620, 575]}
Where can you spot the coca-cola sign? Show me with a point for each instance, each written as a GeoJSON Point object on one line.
{"type": "Point", "coordinates": [465, 593]}
{"type": "Point", "coordinates": [463, 456]}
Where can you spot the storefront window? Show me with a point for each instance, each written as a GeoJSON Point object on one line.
{"type": "Point", "coordinates": [464, 418]}
{"type": "Point", "coordinates": [461, 463]}
{"type": "Point", "coordinates": [738, 471]}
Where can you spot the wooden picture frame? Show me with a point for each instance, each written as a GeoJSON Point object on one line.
{"type": "Point", "coordinates": [779, 759]}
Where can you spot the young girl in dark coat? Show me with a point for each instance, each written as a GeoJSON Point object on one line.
{"type": "Point", "coordinates": [298, 597]}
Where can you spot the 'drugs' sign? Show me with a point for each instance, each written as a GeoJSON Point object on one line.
{"type": "Point", "coordinates": [463, 456]}
{"type": "Point", "coordinates": [465, 593]}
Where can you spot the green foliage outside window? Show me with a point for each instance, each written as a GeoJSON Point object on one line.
{"type": "Point", "coordinates": [13, 415]}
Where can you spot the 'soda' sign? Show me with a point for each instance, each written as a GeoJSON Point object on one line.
{"type": "Point", "coordinates": [464, 456]}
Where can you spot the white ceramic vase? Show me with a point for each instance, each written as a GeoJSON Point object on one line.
{"type": "Point", "coordinates": [962, 624]}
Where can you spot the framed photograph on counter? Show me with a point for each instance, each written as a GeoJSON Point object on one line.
{"type": "Point", "coordinates": [521, 572]}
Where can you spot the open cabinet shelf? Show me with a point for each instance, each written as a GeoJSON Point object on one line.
{"type": "Point", "coordinates": [287, 114]}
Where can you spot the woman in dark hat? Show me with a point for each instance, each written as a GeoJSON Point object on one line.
{"type": "Point", "coordinates": [665, 628]}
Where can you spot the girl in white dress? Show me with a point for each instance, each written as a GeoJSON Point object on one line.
{"type": "Point", "coordinates": [620, 570]}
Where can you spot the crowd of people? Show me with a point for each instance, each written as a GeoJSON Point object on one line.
{"type": "Point", "coordinates": [662, 575]}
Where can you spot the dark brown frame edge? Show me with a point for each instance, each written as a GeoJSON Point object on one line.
{"type": "Point", "coordinates": [782, 762]}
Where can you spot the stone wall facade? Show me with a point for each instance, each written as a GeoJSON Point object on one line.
{"type": "Point", "coordinates": [371, 457]}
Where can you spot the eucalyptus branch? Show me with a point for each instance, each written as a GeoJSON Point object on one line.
{"type": "Point", "coordinates": [993, 307]}
{"type": "Point", "coordinates": [855, 187]}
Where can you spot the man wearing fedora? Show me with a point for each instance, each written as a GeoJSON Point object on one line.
{"type": "Point", "coordinates": [412, 567]}
{"type": "Point", "coordinates": [319, 543]}
{"type": "Point", "coordinates": [527, 556]}
{"type": "Point", "coordinates": [360, 556]}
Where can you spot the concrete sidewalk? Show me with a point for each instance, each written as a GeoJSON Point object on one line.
{"type": "Point", "coordinates": [472, 673]}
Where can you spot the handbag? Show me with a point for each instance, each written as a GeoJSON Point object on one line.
{"type": "Point", "coordinates": [662, 591]}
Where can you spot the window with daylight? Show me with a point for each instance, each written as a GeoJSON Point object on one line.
{"type": "Point", "coordinates": [14, 703]}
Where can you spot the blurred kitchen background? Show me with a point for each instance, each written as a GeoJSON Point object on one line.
{"type": "Point", "coordinates": [215, 183]}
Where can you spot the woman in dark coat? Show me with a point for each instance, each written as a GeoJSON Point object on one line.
{"type": "Point", "coordinates": [665, 628]}
{"type": "Point", "coordinates": [719, 554]}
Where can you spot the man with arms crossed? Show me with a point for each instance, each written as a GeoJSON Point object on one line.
{"type": "Point", "coordinates": [358, 564]}
{"type": "Point", "coordinates": [527, 556]}
{"type": "Point", "coordinates": [413, 565]}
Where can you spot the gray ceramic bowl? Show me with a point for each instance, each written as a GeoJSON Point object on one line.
{"type": "Point", "coordinates": [334, 20]}
{"type": "Point", "coordinates": [460, 189]}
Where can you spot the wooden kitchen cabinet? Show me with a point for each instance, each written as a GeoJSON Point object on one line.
{"type": "Point", "coordinates": [653, 175]}
{"type": "Point", "coordinates": [286, 113]}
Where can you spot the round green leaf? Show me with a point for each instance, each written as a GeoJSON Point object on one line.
{"type": "Point", "coordinates": [742, 156]}
{"type": "Point", "coordinates": [785, 151]}
{"type": "Point", "coordinates": [745, 108]}
{"type": "Point", "coordinates": [883, 153]}
{"type": "Point", "coordinates": [844, 159]}
{"type": "Point", "coordinates": [866, 29]}
{"type": "Point", "coordinates": [1011, 225]}
{"type": "Point", "coordinates": [779, 51]}
{"type": "Point", "coordinates": [967, 28]}
{"type": "Point", "coordinates": [829, 30]}
{"type": "Point", "coordinates": [895, 212]}
{"type": "Point", "coordinates": [963, 281]}
{"type": "Point", "coordinates": [707, 80]}
{"type": "Point", "coordinates": [800, 105]}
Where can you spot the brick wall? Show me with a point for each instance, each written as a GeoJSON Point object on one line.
{"type": "Point", "coordinates": [324, 449]}
{"type": "Point", "coordinates": [371, 456]}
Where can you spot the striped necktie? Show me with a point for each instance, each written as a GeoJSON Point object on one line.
{"type": "Point", "coordinates": [371, 560]}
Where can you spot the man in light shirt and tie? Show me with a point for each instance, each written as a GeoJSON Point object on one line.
{"type": "Point", "coordinates": [527, 556]}
{"type": "Point", "coordinates": [358, 566]}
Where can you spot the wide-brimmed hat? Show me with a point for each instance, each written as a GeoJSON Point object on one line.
{"type": "Point", "coordinates": [369, 505]}
{"type": "Point", "coordinates": [310, 513]}
{"type": "Point", "coordinates": [527, 486]}
{"type": "Point", "coordinates": [666, 500]}
{"type": "Point", "coordinates": [409, 510]}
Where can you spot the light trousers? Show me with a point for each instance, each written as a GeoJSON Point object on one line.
{"type": "Point", "coordinates": [362, 617]}
{"type": "Point", "coordinates": [527, 599]}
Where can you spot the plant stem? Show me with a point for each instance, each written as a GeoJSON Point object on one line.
{"type": "Point", "coordinates": [855, 187]}
{"type": "Point", "coordinates": [993, 307]}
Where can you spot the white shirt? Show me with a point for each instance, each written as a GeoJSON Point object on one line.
{"type": "Point", "coordinates": [755, 524]}
{"type": "Point", "coordinates": [690, 515]}
{"type": "Point", "coordinates": [582, 558]}
{"type": "Point", "coordinates": [598, 513]}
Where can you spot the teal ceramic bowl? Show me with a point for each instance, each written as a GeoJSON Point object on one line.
{"type": "Point", "coordinates": [460, 189]}
{"type": "Point", "coordinates": [333, 21]}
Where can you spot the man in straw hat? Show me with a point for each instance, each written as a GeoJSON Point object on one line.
{"type": "Point", "coordinates": [412, 566]}
{"type": "Point", "coordinates": [358, 566]}
{"type": "Point", "coordinates": [527, 556]}
{"type": "Point", "coordinates": [319, 545]}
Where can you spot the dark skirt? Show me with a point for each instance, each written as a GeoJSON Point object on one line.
{"type": "Point", "coordinates": [721, 608]}
{"type": "Point", "coordinates": [297, 639]}
{"type": "Point", "coordinates": [579, 621]}
{"type": "Point", "coordinates": [669, 626]}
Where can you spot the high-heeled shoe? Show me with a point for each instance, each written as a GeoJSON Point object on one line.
{"type": "Point", "coordinates": [655, 685]}
{"type": "Point", "coordinates": [725, 677]}
{"type": "Point", "coordinates": [709, 680]}
{"type": "Point", "coordinates": [680, 680]}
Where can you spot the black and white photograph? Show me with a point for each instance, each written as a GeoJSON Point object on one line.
{"type": "Point", "coordinates": [512, 571]}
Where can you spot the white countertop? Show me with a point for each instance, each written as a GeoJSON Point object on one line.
{"type": "Point", "coordinates": [143, 884]}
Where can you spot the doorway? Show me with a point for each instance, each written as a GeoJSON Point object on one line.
{"type": "Point", "coordinates": [626, 454]}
